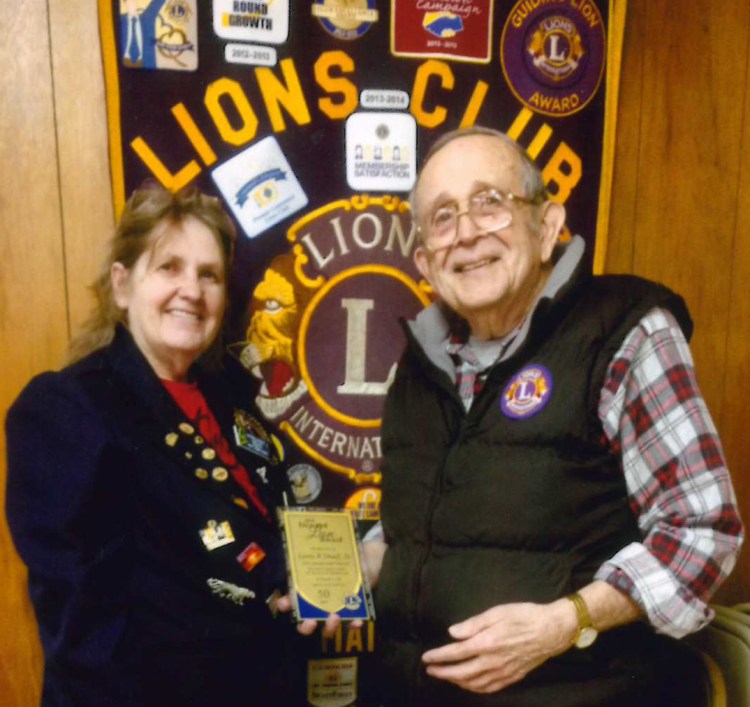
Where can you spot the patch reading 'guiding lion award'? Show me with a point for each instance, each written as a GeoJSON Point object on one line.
{"type": "Point", "coordinates": [325, 567]}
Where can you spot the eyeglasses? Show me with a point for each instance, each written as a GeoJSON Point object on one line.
{"type": "Point", "coordinates": [489, 210]}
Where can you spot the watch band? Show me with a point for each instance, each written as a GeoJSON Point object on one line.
{"type": "Point", "coordinates": [586, 633]}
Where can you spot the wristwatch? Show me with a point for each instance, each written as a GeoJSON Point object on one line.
{"type": "Point", "coordinates": [586, 633]}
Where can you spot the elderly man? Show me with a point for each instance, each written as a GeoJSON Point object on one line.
{"type": "Point", "coordinates": [556, 503]}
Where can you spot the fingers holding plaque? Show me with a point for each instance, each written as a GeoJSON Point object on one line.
{"type": "Point", "coordinates": [325, 566]}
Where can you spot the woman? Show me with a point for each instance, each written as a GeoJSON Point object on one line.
{"type": "Point", "coordinates": [142, 486]}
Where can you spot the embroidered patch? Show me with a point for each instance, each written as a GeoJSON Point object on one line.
{"type": "Point", "coordinates": [527, 393]}
{"type": "Point", "coordinates": [345, 19]}
{"type": "Point", "coordinates": [553, 55]}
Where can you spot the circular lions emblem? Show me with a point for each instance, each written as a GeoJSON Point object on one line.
{"type": "Point", "coordinates": [553, 56]}
{"type": "Point", "coordinates": [528, 392]}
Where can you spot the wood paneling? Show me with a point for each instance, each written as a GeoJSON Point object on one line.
{"type": "Point", "coordinates": [33, 316]}
{"type": "Point", "coordinates": [680, 207]}
{"type": "Point", "coordinates": [732, 374]}
{"type": "Point", "coordinates": [55, 207]}
{"type": "Point", "coordinates": [680, 214]}
{"type": "Point", "coordinates": [81, 122]}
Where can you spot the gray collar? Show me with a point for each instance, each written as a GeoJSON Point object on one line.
{"type": "Point", "coordinates": [432, 330]}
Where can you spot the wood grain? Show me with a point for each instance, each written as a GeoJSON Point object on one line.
{"type": "Point", "coordinates": [731, 375]}
{"type": "Point", "coordinates": [33, 311]}
{"type": "Point", "coordinates": [81, 123]}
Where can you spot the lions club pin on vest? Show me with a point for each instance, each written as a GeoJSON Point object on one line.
{"type": "Point", "coordinates": [528, 392]}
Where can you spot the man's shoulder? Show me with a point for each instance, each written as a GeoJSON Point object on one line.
{"type": "Point", "coordinates": [632, 286]}
{"type": "Point", "coordinates": [634, 297]}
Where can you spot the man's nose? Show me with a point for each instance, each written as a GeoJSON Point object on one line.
{"type": "Point", "coordinates": [466, 229]}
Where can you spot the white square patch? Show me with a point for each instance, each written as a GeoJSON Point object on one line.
{"type": "Point", "coordinates": [249, 21]}
{"type": "Point", "coordinates": [260, 187]}
{"type": "Point", "coordinates": [381, 151]}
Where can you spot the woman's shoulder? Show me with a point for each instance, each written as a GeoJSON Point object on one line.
{"type": "Point", "coordinates": [52, 389]}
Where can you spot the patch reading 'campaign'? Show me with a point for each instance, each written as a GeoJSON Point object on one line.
{"type": "Point", "coordinates": [442, 28]}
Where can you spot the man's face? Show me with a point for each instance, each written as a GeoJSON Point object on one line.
{"type": "Point", "coordinates": [483, 272]}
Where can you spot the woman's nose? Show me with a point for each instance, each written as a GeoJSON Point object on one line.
{"type": "Point", "coordinates": [190, 285]}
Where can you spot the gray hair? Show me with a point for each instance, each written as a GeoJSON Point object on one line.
{"type": "Point", "coordinates": [532, 177]}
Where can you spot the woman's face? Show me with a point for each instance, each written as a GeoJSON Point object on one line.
{"type": "Point", "coordinates": [174, 296]}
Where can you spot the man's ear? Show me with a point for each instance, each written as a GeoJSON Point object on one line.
{"type": "Point", "coordinates": [120, 278]}
{"type": "Point", "coordinates": [422, 261]}
{"type": "Point", "coordinates": [553, 220]}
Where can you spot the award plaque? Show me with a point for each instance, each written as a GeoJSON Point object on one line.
{"type": "Point", "coordinates": [325, 565]}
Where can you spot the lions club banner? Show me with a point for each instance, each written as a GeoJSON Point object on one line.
{"type": "Point", "coordinates": [309, 120]}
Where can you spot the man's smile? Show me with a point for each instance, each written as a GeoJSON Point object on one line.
{"type": "Point", "coordinates": [475, 264]}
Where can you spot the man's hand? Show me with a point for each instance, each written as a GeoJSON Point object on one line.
{"type": "Point", "coordinates": [373, 551]}
{"type": "Point", "coordinates": [500, 646]}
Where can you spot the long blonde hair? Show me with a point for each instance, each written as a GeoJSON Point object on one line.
{"type": "Point", "coordinates": [148, 207]}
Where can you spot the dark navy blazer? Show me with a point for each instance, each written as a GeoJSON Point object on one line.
{"type": "Point", "coordinates": [108, 492]}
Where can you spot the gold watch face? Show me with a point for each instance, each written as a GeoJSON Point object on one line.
{"type": "Point", "coordinates": [586, 637]}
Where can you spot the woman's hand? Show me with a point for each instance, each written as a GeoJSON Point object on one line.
{"type": "Point", "coordinates": [308, 626]}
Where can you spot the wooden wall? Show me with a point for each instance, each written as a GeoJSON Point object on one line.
{"type": "Point", "coordinates": [680, 214]}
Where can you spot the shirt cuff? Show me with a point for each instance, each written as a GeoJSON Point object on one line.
{"type": "Point", "coordinates": [375, 533]}
{"type": "Point", "coordinates": [669, 606]}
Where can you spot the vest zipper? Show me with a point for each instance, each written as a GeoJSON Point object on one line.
{"type": "Point", "coordinates": [458, 425]}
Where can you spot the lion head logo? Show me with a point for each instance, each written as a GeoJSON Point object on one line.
{"type": "Point", "coordinates": [268, 351]}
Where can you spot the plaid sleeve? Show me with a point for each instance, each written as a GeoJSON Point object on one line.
{"type": "Point", "coordinates": [678, 485]}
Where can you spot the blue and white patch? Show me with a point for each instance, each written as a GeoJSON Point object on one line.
{"type": "Point", "coordinates": [260, 186]}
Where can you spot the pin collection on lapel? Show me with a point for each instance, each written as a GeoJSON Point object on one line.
{"type": "Point", "coordinates": [250, 435]}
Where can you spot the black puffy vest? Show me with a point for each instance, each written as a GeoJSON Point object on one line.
{"type": "Point", "coordinates": [481, 508]}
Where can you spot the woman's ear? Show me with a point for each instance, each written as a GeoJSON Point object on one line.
{"type": "Point", "coordinates": [120, 278]}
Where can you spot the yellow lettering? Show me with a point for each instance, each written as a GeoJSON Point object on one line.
{"type": "Point", "coordinates": [475, 103]}
{"type": "Point", "coordinates": [590, 14]}
{"type": "Point", "coordinates": [540, 140]}
{"type": "Point", "coordinates": [426, 118]}
{"type": "Point", "coordinates": [554, 106]}
{"type": "Point", "coordinates": [325, 641]}
{"type": "Point", "coordinates": [336, 110]}
{"type": "Point", "coordinates": [194, 134]}
{"type": "Point", "coordinates": [170, 181]}
{"type": "Point", "coordinates": [519, 124]}
{"type": "Point", "coordinates": [288, 94]}
{"type": "Point", "coordinates": [564, 171]}
{"type": "Point", "coordinates": [354, 640]}
{"type": "Point", "coordinates": [231, 89]}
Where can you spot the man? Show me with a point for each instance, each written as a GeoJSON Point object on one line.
{"type": "Point", "coordinates": [555, 498]}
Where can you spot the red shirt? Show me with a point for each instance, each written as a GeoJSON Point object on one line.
{"type": "Point", "coordinates": [191, 401]}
